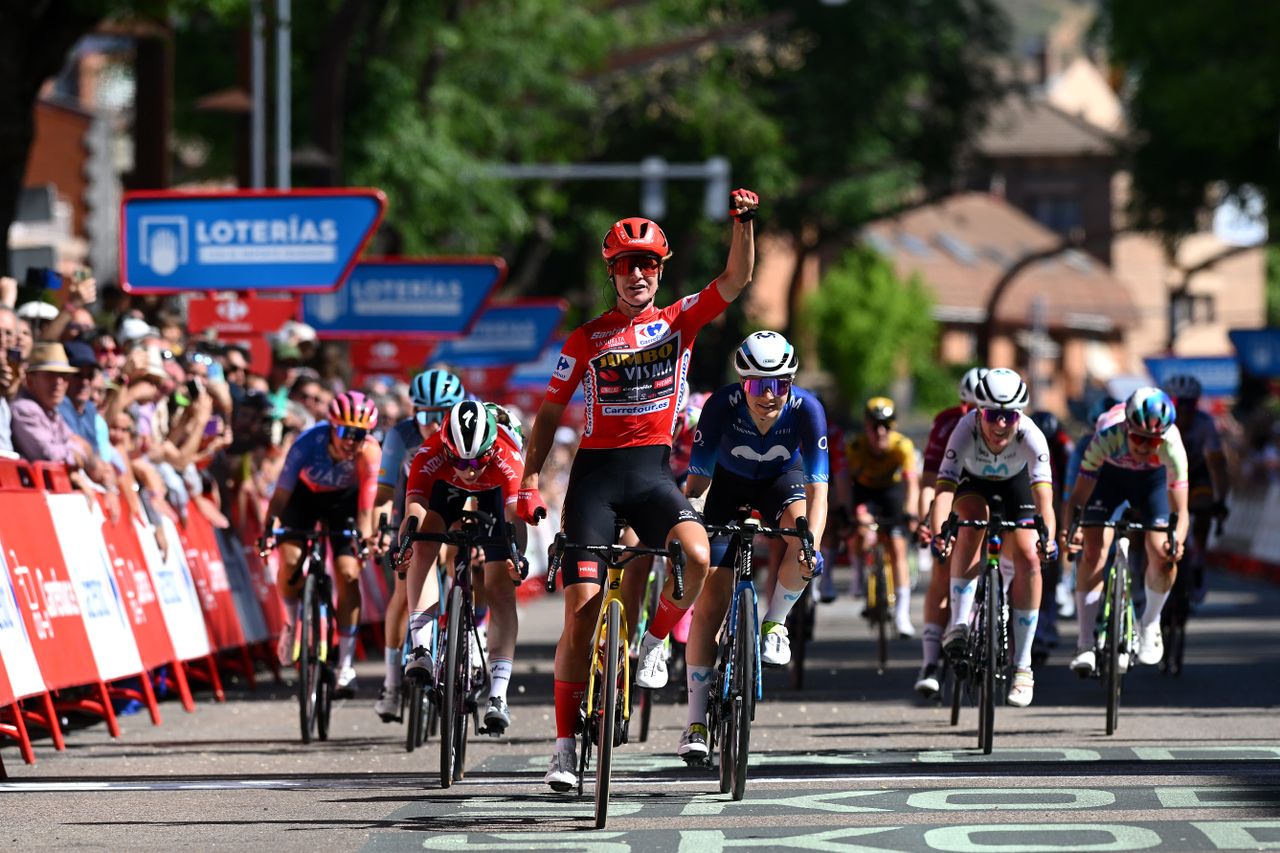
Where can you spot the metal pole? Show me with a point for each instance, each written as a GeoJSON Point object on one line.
{"type": "Point", "coordinates": [284, 115]}
{"type": "Point", "coordinates": [258, 116]}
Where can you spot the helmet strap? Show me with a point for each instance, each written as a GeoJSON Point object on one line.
{"type": "Point", "coordinates": [637, 307]}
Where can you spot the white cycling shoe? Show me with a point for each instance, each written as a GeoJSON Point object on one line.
{"type": "Point", "coordinates": [562, 776]}
{"type": "Point", "coordinates": [1150, 644]}
{"type": "Point", "coordinates": [1084, 663]}
{"type": "Point", "coordinates": [776, 646]}
{"type": "Point", "coordinates": [651, 671]}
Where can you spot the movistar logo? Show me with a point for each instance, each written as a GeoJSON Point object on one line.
{"type": "Point", "coordinates": [775, 452]}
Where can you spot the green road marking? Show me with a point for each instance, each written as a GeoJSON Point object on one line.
{"type": "Point", "coordinates": [1039, 838]}
{"type": "Point", "coordinates": [714, 804]}
{"type": "Point", "coordinates": [1210, 797]}
{"type": "Point", "coordinates": [1240, 834]}
{"type": "Point", "coordinates": [482, 806]}
{"type": "Point", "coordinates": [717, 842]}
{"type": "Point", "coordinates": [597, 843]}
{"type": "Point", "coordinates": [1011, 799]}
{"type": "Point", "coordinates": [1202, 753]}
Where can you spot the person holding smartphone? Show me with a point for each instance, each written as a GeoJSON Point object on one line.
{"type": "Point", "coordinates": [10, 374]}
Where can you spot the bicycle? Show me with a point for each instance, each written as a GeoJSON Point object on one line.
{"type": "Point", "coordinates": [983, 668]}
{"type": "Point", "coordinates": [605, 713]}
{"type": "Point", "coordinates": [738, 684]}
{"type": "Point", "coordinates": [316, 630]}
{"type": "Point", "coordinates": [880, 594]}
{"type": "Point", "coordinates": [648, 606]}
{"type": "Point", "coordinates": [461, 673]}
{"type": "Point", "coordinates": [1115, 635]}
{"type": "Point", "coordinates": [415, 707]}
{"type": "Point", "coordinates": [1177, 610]}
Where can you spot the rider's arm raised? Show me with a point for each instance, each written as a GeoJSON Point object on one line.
{"type": "Point", "coordinates": [742, 249]}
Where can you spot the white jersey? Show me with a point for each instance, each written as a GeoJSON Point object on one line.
{"type": "Point", "coordinates": [967, 452]}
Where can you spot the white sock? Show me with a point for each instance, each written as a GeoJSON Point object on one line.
{"type": "Point", "coordinates": [346, 646]}
{"type": "Point", "coordinates": [931, 643]}
{"type": "Point", "coordinates": [962, 593]}
{"type": "Point", "coordinates": [395, 668]}
{"type": "Point", "coordinates": [420, 626]}
{"type": "Point", "coordinates": [1155, 603]}
{"type": "Point", "coordinates": [1087, 616]}
{"type": "Point", "coordinates": [1024, 629]}
{"type": "Point", "coordinates": [781, 603]}
{"type": "Point", "coordinates": [499, 677]}
{"type": "Point", "coordinates": [699, 679]}
{"type": "Point", "coordinates": [902, 605]}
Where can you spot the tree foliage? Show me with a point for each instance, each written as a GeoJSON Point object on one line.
{"type": "Point", "coordinates": [1203, 86]}
{"type": "Point", "coordinates": [873, 328]}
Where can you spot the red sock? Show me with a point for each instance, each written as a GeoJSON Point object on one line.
{"type": "Point", "coordinates": [665, 619]}
{"type": "Point", "coordinates": [568, 699]}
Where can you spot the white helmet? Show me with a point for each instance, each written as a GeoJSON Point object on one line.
{"type": "Point", "coordinates": [969, 383]}
{"type": "Point", "coordinates": [765, 354]}
{"type": "Point", "coordinates": [1001, 388]}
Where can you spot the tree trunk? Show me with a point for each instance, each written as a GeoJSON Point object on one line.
{"type": "Point", "coordinates": [328, 95]}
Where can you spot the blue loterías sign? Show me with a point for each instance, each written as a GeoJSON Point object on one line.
{"type": "Point", "coordinates": [295, 240]}
{"type": "Point", "coordinates": [406, 297]}
{"type": "Point", "coordinates": [1259, 350]}
{"type": "Point", "coordinates": [505, 333]}
{"type": "Point", "coordinates": [1219, 377]}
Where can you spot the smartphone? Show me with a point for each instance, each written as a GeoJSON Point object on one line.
{"type": "Point", "coordinates": [43, 278]}
{"type": "Point", "coordinates": [13, 355]}
{"type": "Point", "coordinates": [214, 427]}
{"type": "Point", "coordinates": [215, 372]}
{"type": "Point", "coordinates": [193, 389]}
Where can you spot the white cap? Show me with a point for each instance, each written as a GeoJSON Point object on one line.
{"type": "Point", "coordinates": [133, 329]}
{"type": "Point", "coordinates": [36, 310]}
{"type": "Point", "coordinates": [298, 333]}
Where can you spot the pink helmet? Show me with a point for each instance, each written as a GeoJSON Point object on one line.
{"type": "Point", "coordinates": [353, 409]}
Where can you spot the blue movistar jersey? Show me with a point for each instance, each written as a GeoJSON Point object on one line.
{"type": "Point", "coordinates": [398, 447]}
{"type": "Point", "coordinates": [728, 437]}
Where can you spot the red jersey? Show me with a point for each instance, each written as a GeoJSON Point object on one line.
{"type": "Point", "coordinates": [633, 372]}
{"type": "Point", "coordinates": [943, 425]}
{"type": "Point", "coordinates": [429, 466]}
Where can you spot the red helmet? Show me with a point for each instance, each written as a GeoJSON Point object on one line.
{"type": "Point", "coordinates": [353, 409]}
{"type": "Point", "coordinates": [635, 235]}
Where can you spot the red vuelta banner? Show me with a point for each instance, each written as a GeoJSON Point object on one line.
{"type": "Point", "coordinates": [44, 591]}
{"type": "Point", "coordinates": [137, 593]}
{"type": "Point", "coordinates": [212, 585]}
{"type": "Point", "coordinates": [396, 357]}
{"type": "Point", "coordinates": [238, 314]}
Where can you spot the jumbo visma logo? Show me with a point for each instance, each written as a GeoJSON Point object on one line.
{"type": "Point", "coordinates": [635, 359]}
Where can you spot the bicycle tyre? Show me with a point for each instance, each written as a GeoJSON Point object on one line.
{"type": "Point", "coordinates": [308, 666]}
{"type": "Point", "coordinates": [720, 716]}
{"type": "Point", "coordinates": [957, 690]}
{"type": "Point", "coordinates": [610, 696]}
{"type": "Point", "coordinates": [881, 614]}
{"type": "Point", "coordinates": [990, 650]}
{"type": "Point", "coordinates": [644, 705]}
{"type": "Point", "coordinates": [1111, 653]}
{"type": "Point", "coordinates": [450, 693]}
{"type": "Point", "coordinates": [799, 630]}
{"type": "Point", "coordinates": [744, 692]}
{"type": "Point", "coordinates": [463, 709]}
{"type": "Point", "coordinates": [324, 701]}
{"type": "Point", "coordinates": [413, 707]}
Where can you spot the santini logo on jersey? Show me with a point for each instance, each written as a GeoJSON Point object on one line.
{"type": "Point", "coordinates": [564, 367]}
{"type": "Point", "coordinates": [776, 452]}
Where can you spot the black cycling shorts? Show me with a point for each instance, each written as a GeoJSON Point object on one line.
{"type": "Point", "coordinates": [770, 497]}
{"type": "Point", "coordinates": [633, 483]}
{"type": "Point", "coordinates": [337, 509]}
{"type": "Point", "coordinates": [1145, 490]}
{"type": "Point", "coordinates": [884, 504]}
{"type": "Point", "coordinates": [1014, 493]}
{"type": "Point", "coordinates": [447, 501]}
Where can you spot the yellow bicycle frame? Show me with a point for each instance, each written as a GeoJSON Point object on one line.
{"type": "Point", "coordinates": [612, 592]}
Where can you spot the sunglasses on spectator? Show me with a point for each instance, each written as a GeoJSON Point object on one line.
{"type": "Point", "coordinates": [426, 417]}
{"type": "Point", "coordinates": [1146, 440]}
{"type": "Point", "coordinates": [756, 386]}
{"type": "Point", "coordinates": [995, 416]}
{"type": "Point", "coordinates": [477, 464]}
{"type": "Point", "coordinates": [350, 433]}
{"type": "Point", "coordinates": [644, 263]}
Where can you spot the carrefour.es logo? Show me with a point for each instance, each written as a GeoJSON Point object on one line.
{"type": "Point", "coordinates": [564, 367]}
{"type": "Point", "coordinates": [651, 332]}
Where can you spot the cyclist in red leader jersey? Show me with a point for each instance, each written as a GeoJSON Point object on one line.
{"type": "Point", "coordinates": [632, 362]}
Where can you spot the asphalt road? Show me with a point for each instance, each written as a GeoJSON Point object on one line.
{"type": "Point", "coordinates": [854, 763]}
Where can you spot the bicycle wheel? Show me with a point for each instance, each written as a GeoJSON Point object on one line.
{"type": "Point", "coordinates": [956, 691]}
{"type": "Point", "coordinates": [743, 692]}
{"type": "Point", "coordinates": [610, 697]}
{"type": "Point", "coordinates": [989, 618]}
{"type": "Point", "coordinates": [451, 692]}
{"type": "Point", "coordinates": [308, 662]}
{"type": "Point", "coordinates": [324, 700]}
{"type": "Point", "coordinates": [413, 701]}
{"type": "Point", "coordinates": [1112, 676]}
{"type": "Point", "coordinates": [881, 614]}
{"type": "Point", "coordinates": [464, 710]}
{"type": "Point", "coordinates": [720, 713]}
{"type": "Point", "coordinates": [799, 631]}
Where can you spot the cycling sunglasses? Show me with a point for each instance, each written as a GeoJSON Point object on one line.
{"type": "Point", "coordinates": [477, 464]}
{"type": "Point", "coordinates": [350, 433]}
{"type": "Point", "coordinates": [756, 386]}
{"type": "Point", "coordinates": [624, 265]}
{"type": "Point", "coordinates": [995, 416]}
{"type": "Point", "coordinates": [426, 417]}
{"type": "Point", "coordinates": [1146, 440]}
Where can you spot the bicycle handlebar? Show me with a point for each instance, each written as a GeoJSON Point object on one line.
{"type": "Point", "coordinates": [612, 555]}
{"type": "Point", "coordinates": [464, 537]}
{"type": "Point", "coordinates": [272, 538]}
{"type": "Point", "coordinates": [1124, 526]}
{"type": "Point", "coordinates": [1037, 523]}
{"type": "Point", "coordinates": [801, 531]}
